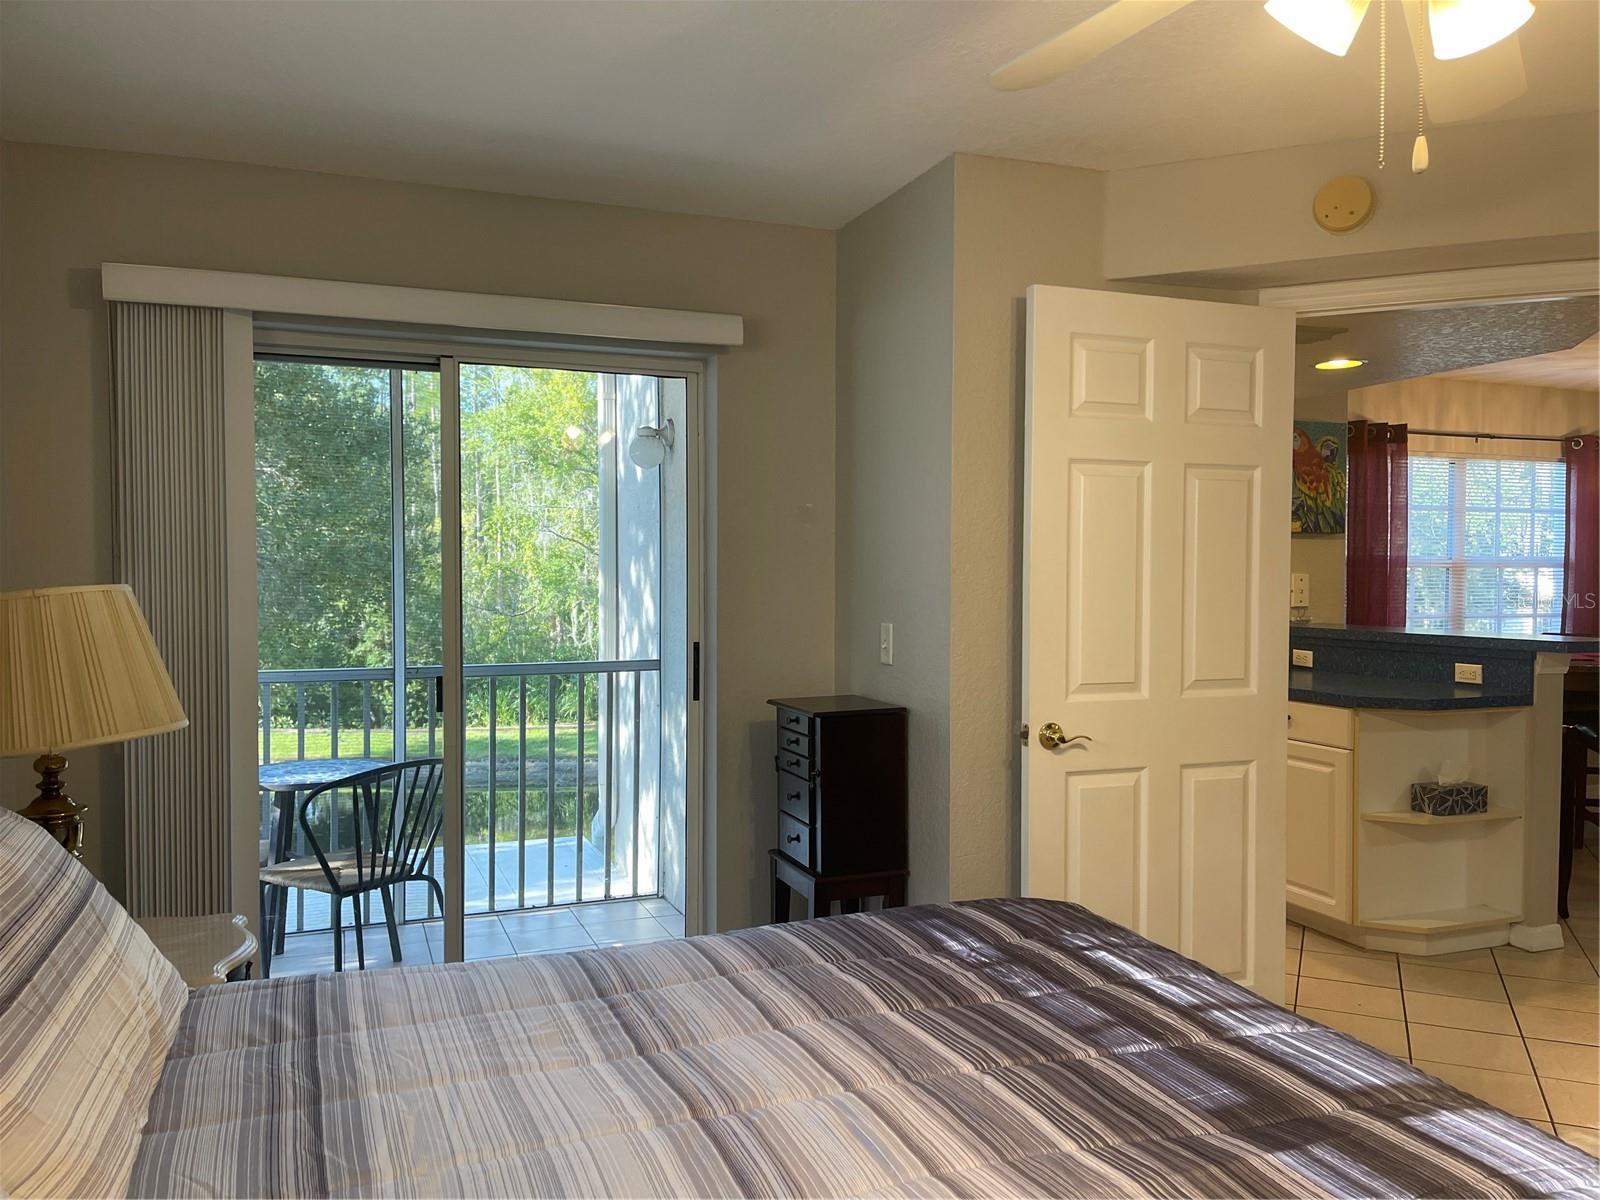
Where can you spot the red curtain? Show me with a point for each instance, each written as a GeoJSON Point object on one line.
{"type": "Point", "coordinates": [1375, 526]}
{"type": "Point", "coordinates": [1580, 615]}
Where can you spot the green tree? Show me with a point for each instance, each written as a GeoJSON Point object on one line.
{"type": "Point", "coordinates": [530, 519]}
{"type": "Point", "coordinates": [323, 567]}
{"type": "Point", "coordinates": [530, 449]}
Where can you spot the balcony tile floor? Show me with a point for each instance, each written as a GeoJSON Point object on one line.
{"type": "Point", "coordinates": [1517, 1029]}
{"type": "Point", "coordinates": [312, 908]}
{"type": "Point", "coordinates": [550, 931]}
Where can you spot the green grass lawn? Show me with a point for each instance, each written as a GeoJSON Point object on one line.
{"type": "Point", "coordinates": [319, 743]}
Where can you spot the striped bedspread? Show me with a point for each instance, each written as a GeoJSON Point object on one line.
{"type": "Point", "coordinates": [1000, 1047]}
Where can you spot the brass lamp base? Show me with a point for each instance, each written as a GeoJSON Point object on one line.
{"type": "Point", "coordinates": [53, 808]}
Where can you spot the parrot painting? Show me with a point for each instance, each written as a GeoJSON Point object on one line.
{"type": "Point", "coordinates": [1320, 475]}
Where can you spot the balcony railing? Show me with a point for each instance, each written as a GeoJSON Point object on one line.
{"type": "Point", "coordinates": [562, 797]}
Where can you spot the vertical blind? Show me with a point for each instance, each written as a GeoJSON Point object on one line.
{"type": "Point", "coordinates": [167, 414]}
{"type": "Point", "coordinates": [1486, 543]}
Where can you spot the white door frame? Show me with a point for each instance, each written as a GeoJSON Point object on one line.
{"type": "Point", "coordinates": [452, 648]}
{"type": "Point", "coordinates": [1438, 289]}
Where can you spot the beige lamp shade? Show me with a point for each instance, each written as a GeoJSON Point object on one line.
{"type": "Point", "coordinates": [78, 667]}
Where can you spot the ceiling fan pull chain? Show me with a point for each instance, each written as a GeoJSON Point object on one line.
{"type": "Point", "coordinates": [1419, 148]}
{"type": "Point", "coordinates": [1383, 81]}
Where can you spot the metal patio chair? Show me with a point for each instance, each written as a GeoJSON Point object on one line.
{"type": "Point", "coordinates": [397, 814]}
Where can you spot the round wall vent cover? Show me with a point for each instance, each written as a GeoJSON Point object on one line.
{"type": "Point", "coordinates": [1343, 204]}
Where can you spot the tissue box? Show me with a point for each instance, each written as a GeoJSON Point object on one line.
{"type": "Point", "coordinates": [1449, 799]}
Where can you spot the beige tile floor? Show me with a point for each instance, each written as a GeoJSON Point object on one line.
{"type": "Point", "coordinates": [1519, 1030]}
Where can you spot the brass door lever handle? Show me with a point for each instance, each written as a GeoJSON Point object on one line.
{"type": "Point", "coordinates": [1052, 736]}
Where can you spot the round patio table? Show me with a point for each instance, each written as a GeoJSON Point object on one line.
{"type": "Point", "coordinates": [286, 780]}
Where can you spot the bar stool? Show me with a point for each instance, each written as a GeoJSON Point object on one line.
{"type": "Point", "coordinates": [1578, 740]}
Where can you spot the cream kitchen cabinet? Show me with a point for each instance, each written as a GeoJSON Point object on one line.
{"type": "Point", "coordinates": [1361, 866]}
{"type": "Point", "coordinates": [1317, 860]}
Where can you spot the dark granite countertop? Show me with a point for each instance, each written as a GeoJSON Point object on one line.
{"type": "Point", "coordinates": [1341, 690]}
{"type": "Point", "coordinates": [1531, 644]}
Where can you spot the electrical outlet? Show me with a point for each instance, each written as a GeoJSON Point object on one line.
{"type": "Point", "coordinates": [1300, 658]}
{"type": "Point", "coordinates": [886, 644]}
{"type": "Point", "coordinates": [1469, 672]}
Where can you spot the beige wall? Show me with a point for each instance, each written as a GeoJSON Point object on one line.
{"type": "Point", "coordinates": [896, 278]}
{"type": "Point", "coordinates": [1321, 555]}
{"type": "Point", "coordinates": [1016, 224]}
{"type": "Point", "coordinates": [1473, 406]}
{"type": "Point", "coordinates": [1504, 192]}
{"type": "Point", "coordinates": [930, 341]}
{"type": "Point", "coordinates": [772, 462]}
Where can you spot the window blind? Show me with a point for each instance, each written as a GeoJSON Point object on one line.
{"type": "Point", "coordinates": [1486, 543]}
{"type": "Point", "coordinates": [166, 397]}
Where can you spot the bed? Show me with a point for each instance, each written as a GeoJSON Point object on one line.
{"type": "Point", "coordinates": [998, 1047]}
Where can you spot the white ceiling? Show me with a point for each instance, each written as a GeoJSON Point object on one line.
{"type": "Point", "coordinates": [805, 112]}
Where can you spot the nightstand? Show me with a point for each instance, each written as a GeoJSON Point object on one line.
{"type": "Point", "coordinates": [206, 950]}
{"type": "Point", "coordinates": [841, 798]}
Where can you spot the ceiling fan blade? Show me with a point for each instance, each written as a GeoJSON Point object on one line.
{"type": "Point", "coordinates": [1107, 28]}
{"type": "Point", "coordinates": [1462, 89]}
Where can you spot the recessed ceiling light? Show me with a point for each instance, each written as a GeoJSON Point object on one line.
{"type": "Point", "coordinates": [1340, 363]}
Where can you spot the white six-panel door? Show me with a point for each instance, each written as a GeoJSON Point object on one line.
{"type": "Point", "coordinates": [1155, 624]}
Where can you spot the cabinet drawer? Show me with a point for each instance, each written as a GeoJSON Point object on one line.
{"type": "Point", "coordinates": [794, 839]}
{"type": "Point", "coordinates": [794, 797]}
{"type": "Point", "coordinates": [792, 741]}
{"type": "Point", "coordinates": [790, 763]}
{"type": "Point", "coordinates": [1322, 725]}
{"type": "Point", "coordinates": [792, 721]}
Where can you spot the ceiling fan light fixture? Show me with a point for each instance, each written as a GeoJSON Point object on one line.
{"type": "Point", "coordinates": [1327, 24]}
{"type": "Point", "coordinates": [1458, 28]}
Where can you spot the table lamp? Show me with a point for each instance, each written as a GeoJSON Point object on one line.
{"type": "Point", "coordinates": [78, 667]}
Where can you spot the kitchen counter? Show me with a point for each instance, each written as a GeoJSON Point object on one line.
{"type": "Point", "coordinates": [1355, 667]}
{"type": "Point", "coordinates": [1447, 640]}
{"type": "Point", "coordinates": [1367, 691]}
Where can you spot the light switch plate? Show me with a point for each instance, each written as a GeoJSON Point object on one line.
{"type": "Point", "coordinates": [1469, 672]}
{"type": "Point", "coordinates": [1301, 658]}
{"type": "Point", "coordinates": [1299, 590]}
{"type": "Point", "coordinates": [886, 644]}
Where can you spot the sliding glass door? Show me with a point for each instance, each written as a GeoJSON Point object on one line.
{"type": "Point", "coordinates": [487, 563]}
{"type": "Point", "coordinates": [347, 549]}
{"type": "Point", "coordinates": [561, 538]}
